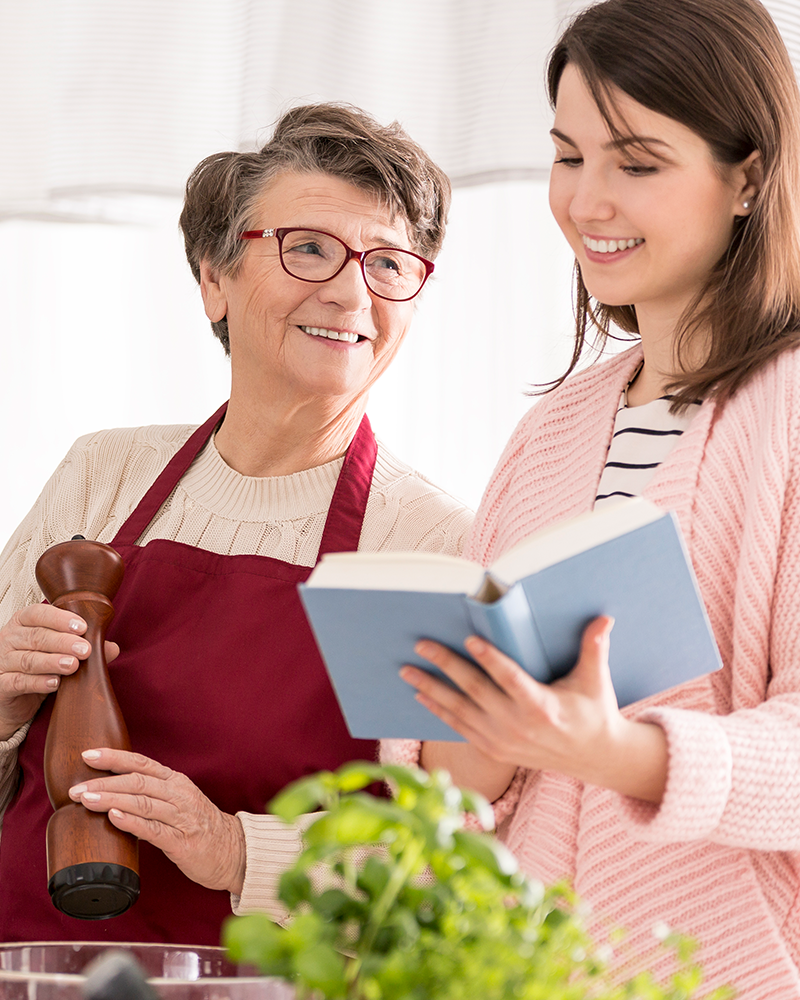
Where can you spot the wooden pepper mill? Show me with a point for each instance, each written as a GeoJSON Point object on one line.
{"type": "Point", "coordinates": [92, 867]}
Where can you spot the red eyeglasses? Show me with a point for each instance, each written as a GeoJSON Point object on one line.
{"type": "Point", "coordinates": [312, 255]}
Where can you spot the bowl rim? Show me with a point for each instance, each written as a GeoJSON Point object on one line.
{"type": "Point", "coordinates": [12, 975]}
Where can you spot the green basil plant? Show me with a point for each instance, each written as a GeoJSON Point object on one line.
{"type": "Point", "coordinates": [431, 910]}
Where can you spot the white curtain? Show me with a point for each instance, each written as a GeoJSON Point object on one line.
{"type": "Point", "coordinates": [108, 104]}
{"type": "Point", "coordinates": [125, 96]}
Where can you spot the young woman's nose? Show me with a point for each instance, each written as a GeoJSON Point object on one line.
{"type": "Point", "coordinates": [591, 198]}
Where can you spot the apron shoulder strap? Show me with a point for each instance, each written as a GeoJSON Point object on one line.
{"type": "Point", "coordinates": [345, 514]}
{"type": "Point", "coordinates": [159, 492]}
{"type": "Point", "coordinates": [349, 504]}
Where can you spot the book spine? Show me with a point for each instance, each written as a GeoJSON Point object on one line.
{"type": "Point", "coordinates": [508, 624]}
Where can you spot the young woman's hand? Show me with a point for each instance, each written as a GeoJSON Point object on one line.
{"type": "Point", "coordinates": [169, 811]}
{"type": "Point", "coordinates": [572, 726]}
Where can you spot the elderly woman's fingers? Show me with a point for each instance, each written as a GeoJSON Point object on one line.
{"type": "Point", "coordinates": [38, 645]}
{"type": "Point", "coordinates": [124, 762]}
{"type": "Point", "coordinates": [165, 808]}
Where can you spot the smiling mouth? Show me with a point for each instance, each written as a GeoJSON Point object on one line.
{"type": "Point", "coordinates": [321, 331]}
{"type": "Point", "coordinates": [610, 246]}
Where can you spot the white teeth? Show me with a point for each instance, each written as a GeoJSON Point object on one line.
{"type": "Point", "coordinates": [320, 331]}
{"type": "Point", "coordinates": [611, 246]}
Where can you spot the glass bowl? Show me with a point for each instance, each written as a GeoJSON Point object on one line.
{"type": "Point", "coordinates": [54, 970]}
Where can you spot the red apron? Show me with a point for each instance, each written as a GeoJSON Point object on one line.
{"type": "Point", "coordinates": [220, 678]}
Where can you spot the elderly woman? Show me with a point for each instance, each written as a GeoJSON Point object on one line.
{"type": "Point", "coordinates": [309, 254]}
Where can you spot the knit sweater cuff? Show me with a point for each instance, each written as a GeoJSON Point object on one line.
{"type": "Point", "coordinates": [698, 780]}
{"type": "Point", "coordinates": [271, 848]}
{"type": "Point", "coordinates": [405, 752]}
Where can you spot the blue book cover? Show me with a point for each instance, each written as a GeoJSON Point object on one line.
{"type": "Point", "coordinates": [641, 576]}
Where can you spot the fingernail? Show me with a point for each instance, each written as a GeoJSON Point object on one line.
{"type": "Point", "coordinates": [76, 625]}
{"type": "Point", "coordinates": [91, 754]}
{"type": "Point", "coordinates": [52, 682]}
{"type": "Point", "coordinates": [475, 645]}
{"type": "Point", "coordinates": [80, 648]}
{"type": "Point", "coordinates": [65, 661]}
{"type": "Point", "coordinates": [117, 812]}
{"type": "Point", "coordinates": [77, 790]}
{"type": "Point", "coordinates": [426, 649]}
{"type": "Point", "coordinates": [90, 796]}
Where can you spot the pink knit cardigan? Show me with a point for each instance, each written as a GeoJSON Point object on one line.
{"type": "Point", "coordinates": [719, 858]}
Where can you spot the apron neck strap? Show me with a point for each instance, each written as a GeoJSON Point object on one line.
{"type": "Point", "coordinates": [155, 498]}
{"type": "Point", "coordinates": [345, 514]}
{"type": "Point", "coordinates": [349, 504]}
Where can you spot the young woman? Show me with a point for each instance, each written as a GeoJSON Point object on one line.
{"type": "Point", "coordinates": [676, 183]}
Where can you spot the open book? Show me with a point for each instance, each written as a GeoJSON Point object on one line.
{"type": "Point", "coordinates": [628, 560]}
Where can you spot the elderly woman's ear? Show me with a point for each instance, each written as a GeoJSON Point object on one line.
{"type": "Point", "coordinates": [214, 297]}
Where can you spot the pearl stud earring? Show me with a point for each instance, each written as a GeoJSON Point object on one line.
{"type": "Point", "coordinates": [745, 205]}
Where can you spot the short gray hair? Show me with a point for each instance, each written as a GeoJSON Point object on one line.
{"type": "Point", "coordinates": [335, 139]}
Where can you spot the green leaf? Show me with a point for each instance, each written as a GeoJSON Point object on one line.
{"type": "Point", "coordinates": [373, 876]}
{"type": "Point", "coordinates": [255, 940]}
{"type": "Point", "coordinates": [362, 819]}
{"type": "Point", "coordinates": [334, 904]}
{"type": "Point", "coordinates": [304, 796]}
{"type": "Point", "coordinates": [322, 968]}
{"type": "Point", "coordinates": [358, 774]}
{"type": "Point", "coordinates": [405, 778]}
{"type": "Point", "coordinates": [294, 888]}
{"type": "Point", "coordinates": [479, 806]}
{"type": "Point", "coordinates": [487, 852]}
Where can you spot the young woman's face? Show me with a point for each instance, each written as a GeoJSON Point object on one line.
{"type": "Point", "coordinates": [648, 217]}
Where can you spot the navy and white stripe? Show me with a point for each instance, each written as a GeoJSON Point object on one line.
{"type": "Point", "coordinates": [643, 437]}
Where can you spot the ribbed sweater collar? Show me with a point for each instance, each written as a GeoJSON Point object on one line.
{"type": "Point", "coordinates": [214, 485]}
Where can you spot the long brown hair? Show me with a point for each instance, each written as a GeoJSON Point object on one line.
{"type": "Point", "coordinates": [720, 68]}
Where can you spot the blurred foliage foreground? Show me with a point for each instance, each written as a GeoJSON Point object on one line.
{"type": "Point", "coordinates": [433, 912]}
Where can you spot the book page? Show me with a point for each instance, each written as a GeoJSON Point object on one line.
{"type": "Point", "coordinates": [420, 571]}
{"type": "Point", "coordinates": [577, 534]}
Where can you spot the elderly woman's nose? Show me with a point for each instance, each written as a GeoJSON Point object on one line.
{"type": "Point", "coordinates": [347, 289]}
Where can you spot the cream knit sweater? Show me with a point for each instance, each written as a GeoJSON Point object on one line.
{"type": "Point", "coordinates": [719, 859]}
{"type": "Point", "coordinates": [105, 474]}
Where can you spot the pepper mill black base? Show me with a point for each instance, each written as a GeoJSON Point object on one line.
{"type": "Point", "coordinates": [94, 890]}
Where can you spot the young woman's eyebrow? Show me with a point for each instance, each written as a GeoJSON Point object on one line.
{"type": "Point", "coordinates": [642, 141]}
{"type": "Point", "coordinates": [560, 135]}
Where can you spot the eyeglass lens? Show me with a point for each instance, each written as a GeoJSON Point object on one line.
{"type": "Point", "coordinates": [312, 256]}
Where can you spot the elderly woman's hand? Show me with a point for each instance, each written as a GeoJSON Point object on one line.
{"type": "Point", "coordinates": [37, 647]}
{"type": "Point", "coordinates": [169, 811]}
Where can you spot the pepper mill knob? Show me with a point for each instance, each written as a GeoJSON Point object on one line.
{"type": "Point", "coordinates": [92, 867]}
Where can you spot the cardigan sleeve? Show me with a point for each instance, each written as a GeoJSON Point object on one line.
{"type": "Point", "coordinates": [481, 547]}
{"type": "Point", "coordinates": [734, 778]}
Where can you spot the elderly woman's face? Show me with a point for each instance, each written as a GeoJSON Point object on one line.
{"type": "Point", "coordinates": [284, 332]}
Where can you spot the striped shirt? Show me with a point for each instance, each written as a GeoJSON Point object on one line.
{"type": "Point", "coordinates": [643, 437]}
